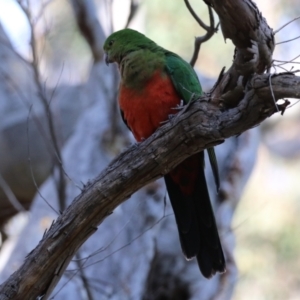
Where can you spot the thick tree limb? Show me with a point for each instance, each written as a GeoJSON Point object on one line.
{"type": "Point", "coordinates": [254, 41]}
{"type": "Point", "coordinates": [199, 126]}
{"type": "Point", "coordinates": [202, 124]}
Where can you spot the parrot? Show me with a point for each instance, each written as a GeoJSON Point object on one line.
{"type": "Point", "coordinates": [154, 81]}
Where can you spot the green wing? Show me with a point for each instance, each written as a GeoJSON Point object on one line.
{"type": "Point", "coordinates": [188, 86]}
{"type": "Point", "coordinates": [184, 77]}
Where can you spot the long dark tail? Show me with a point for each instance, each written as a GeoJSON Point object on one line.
{"type": "Point", "coordinates": [194, 216]}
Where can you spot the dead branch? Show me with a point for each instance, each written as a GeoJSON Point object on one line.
{"type": "Point", "coordinates": [10, 195]}
{"type": "Point", "coordinates": [60, 181]}
{"type": "Point", "coordinates": [254, 41]}
{"type": "Point", "coordinates": [210, 30]}
{"type": "Point", "coordinates": [249, 100]}
{"type": "Point", "coordinates": [198, 127]}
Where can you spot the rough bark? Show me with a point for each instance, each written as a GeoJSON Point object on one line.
{"type": "Point", "coordinates": [254, 41]}
{"type": "Point", "coordinates": [196, 128]}
{"type": "Point", "coordinates": [239, 101]}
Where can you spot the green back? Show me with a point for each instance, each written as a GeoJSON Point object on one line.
{"type": "Point", "coordinates": [183, 77]}
{"type": "Point", "coordinates": [137, 54]}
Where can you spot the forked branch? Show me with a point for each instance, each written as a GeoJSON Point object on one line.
{"type": "Point", "coordinates": [210, 30]}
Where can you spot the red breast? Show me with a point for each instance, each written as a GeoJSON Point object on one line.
{"type": "Point", "coordinates": [145, 108]}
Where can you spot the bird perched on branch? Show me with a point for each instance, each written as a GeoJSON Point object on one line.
{"type": "Point", "coordinates": [153, 82]}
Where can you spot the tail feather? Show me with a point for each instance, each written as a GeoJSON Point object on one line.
{"type": "Point", "coordinates": [214, 166]}
{"type": "Point", "coordinates": [210, 256]}
{"type": "Point", "coordinates": [185, 217]}
{"type": "Point", "coordinates": [196, 222]}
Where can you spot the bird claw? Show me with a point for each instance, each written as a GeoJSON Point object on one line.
{"type": "Point", "coordinates": [170, 117]}
{"type": "Point", "coordinates": [185, 107]}
{"type": "Point", "coordinates": [182, 107]}
{"type": "Point", "coordinates": [179, 106]}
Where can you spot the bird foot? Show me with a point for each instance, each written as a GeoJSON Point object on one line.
{"type": "Point", "coordinates": [179, 106]}
{"type": "Point", "coordinates": [170, 117]}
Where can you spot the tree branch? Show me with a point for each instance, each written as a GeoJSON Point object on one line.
{"type": "Point", "coordinates": [210, 30]}
{"type": "Point", "coordinates": [195, 128]}
{"type": "Point", "coordinates": [254, 41]}
{"type": "Point", "coordinates": [60, 181]}
{"type": "Point", "coordinates": [249, 99]}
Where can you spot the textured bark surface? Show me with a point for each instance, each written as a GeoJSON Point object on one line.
{"type": "Point", "coordinates": [238, 102]}
{"type": "Point", "coordinates": [198, 127]}
{"type": "Point", "coordinates": [242, 22]}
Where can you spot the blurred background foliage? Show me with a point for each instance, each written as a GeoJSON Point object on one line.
{"type": "Point", "coordinates": [267, 223]}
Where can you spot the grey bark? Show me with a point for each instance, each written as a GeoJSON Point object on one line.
{"type": "Point", "coordinates": [193, 130]}
{"type": "Point", "coordinates": [155, 267]}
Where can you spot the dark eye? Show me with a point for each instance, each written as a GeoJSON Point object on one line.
{"type": "Point", "coordinates": [111, 43]}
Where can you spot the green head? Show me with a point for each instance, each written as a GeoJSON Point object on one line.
{"type": "Point", "coordinates": [122, 42]}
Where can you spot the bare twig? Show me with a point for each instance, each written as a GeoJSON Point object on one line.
{"type": "Point", "coordinates": [210, 30]}
{"type": "Point", "coordinates": [134, 6]}
{"type": "Point", "coordinates": [124, 246]}
{"type": "Point", "coordinates": [280, 67]}
{"type": "Point", "coordinates": [288, 40]}
{"type": "Point", "coordinates": [195, 16]}
{"type": "Point", "coordinates": [60, 182]}
{"type": "Point", "coordinates": [113, 239]}
{"type": "Point", "coordinates": [31, 170]}
{"type": "Point", "coordinates": [271, 89]}
{"type": "Point", "coordinates": [83, 277]}
{"type": "Point", "coordinates": [139, 165]}
{"type": "Point", "coordinates": [7, 77]}
{"type": "Point", "coordinates": [287, 61]}
{"type": "Point", "coordinates": [10, 195]}
{"type": "Point", "coordinates": [280, 28]}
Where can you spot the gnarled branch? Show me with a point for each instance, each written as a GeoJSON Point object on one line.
{"type": "Point", "coordinates": [199, 126]}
